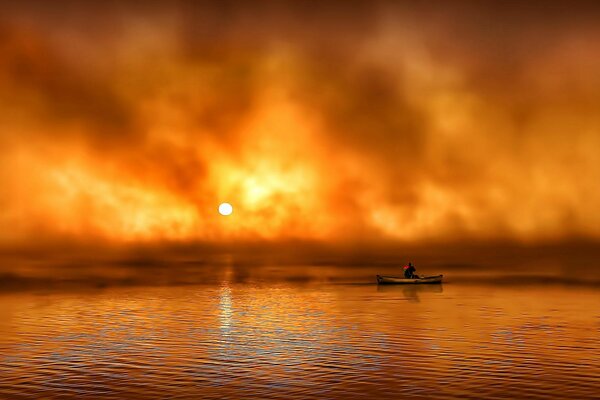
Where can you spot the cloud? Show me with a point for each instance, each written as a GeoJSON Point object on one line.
{"type": "Point", "coordinates": [365, 121]}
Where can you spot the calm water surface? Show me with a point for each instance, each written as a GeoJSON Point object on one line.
{"type": "Point", "coordinates": [302, 340]}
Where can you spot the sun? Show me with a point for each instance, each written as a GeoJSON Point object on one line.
{"type": "Point", "coordinates": [225, 209]}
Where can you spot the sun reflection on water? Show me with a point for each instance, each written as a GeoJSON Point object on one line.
{"type": "Point", "coordinates": [225, 310]}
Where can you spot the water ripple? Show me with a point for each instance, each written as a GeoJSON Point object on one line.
{"type": "Point", "coordinates": [285, 341]}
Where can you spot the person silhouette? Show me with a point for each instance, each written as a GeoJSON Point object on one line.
{"type": "Point", "coordinates": [409, 271]}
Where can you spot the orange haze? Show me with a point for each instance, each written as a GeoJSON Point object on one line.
{"type": "Point", "coordinates": [129, 122]}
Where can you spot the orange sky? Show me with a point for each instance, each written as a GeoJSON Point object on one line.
{"type": "Point", "coordinates": [347, 121]}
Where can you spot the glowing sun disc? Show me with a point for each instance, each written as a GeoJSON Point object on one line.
{"type": "Point", "coordinates": [225, 209]}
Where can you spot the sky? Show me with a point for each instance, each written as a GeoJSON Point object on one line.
{"type": "Point", "coordinates": [353, 121]}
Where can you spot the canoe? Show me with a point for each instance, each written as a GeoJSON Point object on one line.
{"type": "Point", "coordinates": [391, 280]}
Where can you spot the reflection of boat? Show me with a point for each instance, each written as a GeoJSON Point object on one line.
{"type": "Point", "coordinates": [385, 280]}
{"type": "Point", "coordinates": [410, 290]}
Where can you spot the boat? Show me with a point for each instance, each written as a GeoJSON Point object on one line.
{"type": "Point", "coordinates": [395, 280]}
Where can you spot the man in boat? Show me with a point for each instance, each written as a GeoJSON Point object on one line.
{"type": "Point", "coordinates": [409, 271]}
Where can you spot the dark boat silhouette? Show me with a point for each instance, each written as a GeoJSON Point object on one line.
{"type": "Point", "coordinates": [396, 280]}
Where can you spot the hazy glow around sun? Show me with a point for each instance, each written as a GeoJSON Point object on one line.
{"type": "Point", "coordinates": [225, 209]}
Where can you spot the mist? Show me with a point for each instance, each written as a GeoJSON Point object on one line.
{"type": "Point", "coordinates": [366, 122]}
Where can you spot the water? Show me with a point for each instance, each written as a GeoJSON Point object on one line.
{"type": "Point", "coordinates": [302, 339]}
